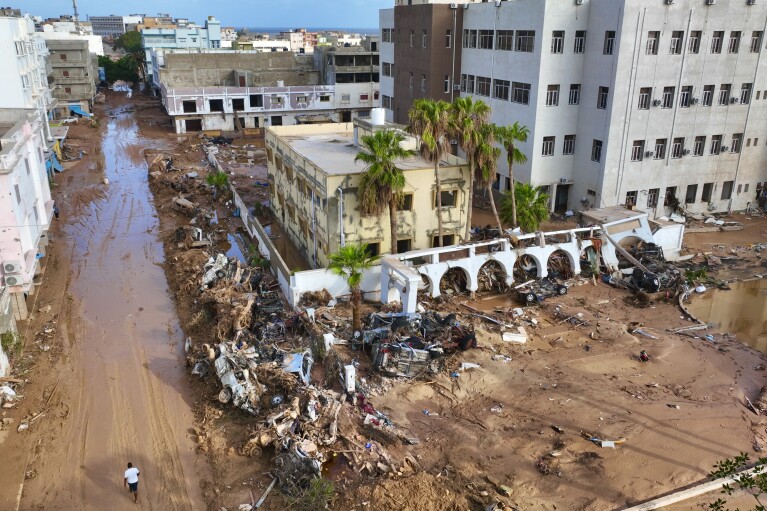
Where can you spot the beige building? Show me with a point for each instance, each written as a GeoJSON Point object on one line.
{"type": "Point", "coordinates": [314, 179]}
{"type": "Point", "coordinates": [75, 72]}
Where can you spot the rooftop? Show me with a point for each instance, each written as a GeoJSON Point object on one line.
{"type": "Point", "coordinates": [612, 214]}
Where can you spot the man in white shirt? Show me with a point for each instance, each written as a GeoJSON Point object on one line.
{"type": "Point", "coordinates": [131, 480]}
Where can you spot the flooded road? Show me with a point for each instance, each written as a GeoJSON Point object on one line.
{"type": "Point", "coordinates": [128, 397]}
{"type": "Point", "coordinates": [741, 311]}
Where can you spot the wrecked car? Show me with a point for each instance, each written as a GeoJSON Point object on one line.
{"type": "Point", "coordinates": [404, 358]}
{"type": "Point", "coordinates": [536, 292]}
{"type": "Point", "coordinates": [299, 364]}
{"type": "Point", "coordinates": [236, 381]}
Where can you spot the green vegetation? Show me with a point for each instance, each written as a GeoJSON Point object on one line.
{"type": "Point", "coordinates": [131, 44]}
{"type": "Point", "coordinates": [486, 159]}
{"type": "Point", "coordinates": [383, 182]}
{"type": "Point", "coordinates": [11, 342]}
{"type": "Point", "coordinates": [350, 261]}
{"type": "Point", "coordinates": [123, 69]}
{"type": "Point", "coordinates": [509, 136]}
{"type": "Point", "coordinates": [317, 495]}
{"type": "Point", "coordinates": [529, 203]}
{"type": "Point", "coordinates": [753, 483]}
{"type": "Point", "coordinates": [218, 180]}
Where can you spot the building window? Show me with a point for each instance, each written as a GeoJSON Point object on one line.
{"type": "Point", "coordinates": [525, 41]}
{"type": "Point", "coordinates": [504, 40]}
{"type": "Point", "coordinates": [412, 38]}
{"type": "Point", "coordinates": [652, 197]}
{"type": "Point", "coordinates": [645, 94]}
{"type": "Point", "coordinates": [189, 107]}
{"type": "Point", "coordinates": [386, 68]}
{"type": "Point", "coordinates": [483, 86]}
{"type": "Point", "coordinates": [238, 104]}
{"type": "Point", "coordinates": [668, 97]}
{"type": "Point", "coordinates": [405, 245]}
{"type": "Point", "coordinates": [469, 38]}
{"type": "Point", "coordinates": [631, 199]}
{"type": "Point", "coordinates": [737, 142]}
{"type": "Point", "coordinates": [216, 105]}
{"type": "Point", "coordinates": [446, 84]}
{"type": "Point", "coordinates": [660, 148]}
{"type": "Point", "coordinates": [557, 41]}
{"type": "Point", "coordinates": [448, 38]}
{"type": "Point", "coordinates": [467, 84]}
{"type": "Point", "coordinates": [670, 197]}
{"type": "Point", "coordinates": [716, 41]}
{"type": "Point", "coordinates": [692, 192]}
{"type": "Point", "coordinates": [386, 35]}
{"type": "Point", "coordinates": [363, 97]}
{"type": "Point", "coordinates": [724, 93]}
{"type": "Point", "coordinates": [716, 144]}
{"type": "Point", "coordinates": [325, 98]}
{"type": "Point", "coordinates": [637, 150]}
{"type": "Point", "coordinates": [596, 150]}
{"type": "Point", "coordinates": [410, 80]}
{"type": "Point", "coordinates": [745, 93]}
{"type": "Point", "coordinates": [677, 147]}
{"type": "Point", "coordinates": [652, 43]}
{"type": "Point", "coordinates": [694, 44]}
{"type": "Point", "coordinates": [67, 90]}
{"type": "Point", "coordinates": [423, 82]}
{"type": "Point", "coordinates": [520, 93]}
{"type": "Point", "coordinates": [65, 73]}
{"type": "Point", "coordinates": [685, 95]}
{"type": "Point", "coordinates": [575, 94]}
{"type": "Point", "coordinates": [486, 39]}
{"type": "Point", "coordinates": [708, 189]}
{"type": "Point", "coordinates": [447, 240]}
{"type": "Point", "coordinates": [580, 41]}
{"type": "Point", "coordinates": [552, 95]}
{"type": "Point", "coordinates": [449, 199]}
{"type": "Point", "coordinates": [726, 190]}
{"type": "Point", "coordinates": [609, 42]}
{"type": "Point", "coordinates": [677, 36]}
{"type": "Point", "coordinates": [423, 39]}
{"type": "Point", "coordinates": [602, 97]}
{"type": "Point", "coordinates": [708, 95]}
{"type": "Point", "coordinates": [373, 249]}
{"type": "Point", "coordinates": [407, 202]}
{"type": "Point", "coordinates": [756, 41]}
{"type": "Point", "coordinates": [548, 146]}
{"type": "Point", "coordinates": [734, 43]}
{"type": "Point", "coordinates": [386, 102]}
{"type": "Point", "coordinates": [62, 56]}
{"type": "Point", "coordinates": [569, 146]}
{"type": "Point", "coordinates": [698, 146]}
{"type": "Point", "coordinates": [501, 89]}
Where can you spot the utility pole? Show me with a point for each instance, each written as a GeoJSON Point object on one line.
{"type": "Point", "coordinates": [77, 21]}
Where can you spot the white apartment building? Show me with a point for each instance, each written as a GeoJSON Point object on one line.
{"type": "Point", "coordinates": [386, 48]}
{"type": "Point", "coordinates": [25, 203]}
{"type": "Point", "coordinates": [628, 101]}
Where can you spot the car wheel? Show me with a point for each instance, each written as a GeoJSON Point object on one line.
{"type": "Point", "coordinates": [225, 395]}
{"type": "Point", "coordinates": [562, 290]}
{"type": "Point", "coordinates": [530, 297]}
{"type": "Point", "coordinates": [220, 274]}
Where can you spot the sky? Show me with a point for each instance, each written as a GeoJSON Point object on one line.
{"type": "Point", "coordinates": [242, 13]}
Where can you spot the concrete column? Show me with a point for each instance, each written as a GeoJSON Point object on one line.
{"type": "Point", "coordinates": [19, 305]}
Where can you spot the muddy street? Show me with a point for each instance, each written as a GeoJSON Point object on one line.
{"type": "Point", "coordinates": [122, 378]}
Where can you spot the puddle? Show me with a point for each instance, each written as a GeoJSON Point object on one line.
{"type": "Point", "coordinates": [232, 248]}
{"type": "Point", "coordinates": [742, 311]}
{"type": "Point", "coordinates": [337, 467]}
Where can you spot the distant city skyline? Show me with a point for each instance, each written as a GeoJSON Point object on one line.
{"type": "Point", "coordinates": [263, 13]}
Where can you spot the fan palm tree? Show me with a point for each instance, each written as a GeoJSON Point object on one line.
{"type": "Point", "coordinates": [383, 181]}
{"type": "Point", "coordinates": [468, 115]}
{"type": "Point", "coordinates": [350, 261]}
{"type": "Point", "coordinates": [532, 206]}
{"type": "Point", "coordinates": [486, 158]}
{"type": "Point", "coordinates": [509, 136]}
{"type": "Point", "coordinates": [218, 180]}
{"type": "Point", "coordinates": [430, 122]}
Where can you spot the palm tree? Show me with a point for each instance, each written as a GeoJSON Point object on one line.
{"type": "Point", "coordinates": [531, 203]}
{"type": "Point", "coordinates": [486, 157]}
{"type": "Point", "coordinates": [218, 180]}
{"type": "Point", "coordinates": [468, 116]}
{"type": "Point", "coordinates": [350, 261]}
{"type": "Point", "coordinates": [508, 136]}
{"type": "Point", "coordinates": [430, 122]}
{"type": "Point", "coordinates": [383, 181]}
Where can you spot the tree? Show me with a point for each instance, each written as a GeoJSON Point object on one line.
{"type": "Point", "coordinates": [132, 44]}
{"type": "Point", "coordinates": [350, 261]}
{"type": "Point", "coordinates": [383, 181]}
{"type": "Point", "coordinates": [468, 115]}
{"type": "Point", "coordinates": [529, 203]}
{"type": "Point", "coordinates": [753, 482]}
{"type": "Point", "coordinates": [218, 180]}
{"type": "Point", "coordinates": [430, 122]}
{"type": "Point", "coordinates": [508, 136]}
{"type": "Point", "coordinates": [123, 69]}
{"type": "Point", "coordinates": [486, 157]}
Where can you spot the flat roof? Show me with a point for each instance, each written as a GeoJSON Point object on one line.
{"type": "Point", "coordinates": [334, 153]}
{"type": "Point", "coordinates": [612, 214]}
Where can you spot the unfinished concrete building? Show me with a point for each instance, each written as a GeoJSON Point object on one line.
{"type": "Point", "coordinates": [75, 71]}
{"type": "Point", "coordinates": [313, 181]}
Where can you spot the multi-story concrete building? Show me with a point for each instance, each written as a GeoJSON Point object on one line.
{"type": "Point", "coordinates": [162, 38]}
{"type": "Point", "coordinates": [314, 180]}
{"type": "Point", "coordinates": [113, 26]}
{"type": "Point", "coordinates": [420, 56]}
{"type": "Point", "coordinates": [65, 24]}
{"type": "Point", "coordinates": [75, 73]}
{"type": "Point", "coordinates": [216, 90]}
{"type": "Point", "coordinates": [25, 202]}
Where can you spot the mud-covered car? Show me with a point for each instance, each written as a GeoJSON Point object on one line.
{"type": "Point", "coordinates": [239, 386]}
{"type": "Point", "coordinates": [539, 290]}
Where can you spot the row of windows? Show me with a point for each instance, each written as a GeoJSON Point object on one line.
{"type": "Point", "coordinates": [640, 149]}
{"type": "Point", "coordinates": [509, 40]}
{"type": "Point", "coordinates": [691, 194]}
{"type": "Point", "coordinates": [516, 92]}
{"type": "Point", "coordinates": [688, 98]}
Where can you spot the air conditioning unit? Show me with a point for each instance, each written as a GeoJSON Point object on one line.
{"type": "Point", "coordinates": [669, 2]}
{"type": "Point", "coordinates": [751, 2]}
{"type": "Point", "coordinates": [13, 280]}
{"type": "Point", "coordinates": [497, 3]}
{"type": "Point", "coordinates": [563, 180]}
{"type": "Point", "coordinates": [648, 154]}
{"type": "Point", "coordinates": [694, 101]}
{"type": "Point", "coordinates": [725, 149]}
{"type": "Point", "coordinates": [710, 2]}
{"type": "Point", "coordinates": [456, 87]}
{"type": "Point", "coordinates": [733, 100]}
{"type": "Point", "coordinates": [686, 152]}
{"type": "Point", "coordinates": [10, 267]}
{"type": "Point", "coordinates": [454, 6]}
{"type": "Point", "coordinates": [656, 102]}
{"type": "Point", "coordinates": [578, 2]}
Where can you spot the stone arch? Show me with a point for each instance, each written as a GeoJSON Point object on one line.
{"type": "Point", "coordinates": [627, 243]}
{"type": "Point", "coordinates": [492, 276]}
{"type": "Point", "coordinates": [455, 280]}
{"type": "Point", "coordinates": [527, 267]}
{"type": "Point", "coordinates": [427, 284]}
{"type": "Point", "coordinates": [560, 264]}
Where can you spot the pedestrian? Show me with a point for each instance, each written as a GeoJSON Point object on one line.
{"type": "Point", "coordinates": [55, 211]}
{"type": "Point", "coordinates": [131, 480]}
{"type": "Point", "coordinates": [643, 356]}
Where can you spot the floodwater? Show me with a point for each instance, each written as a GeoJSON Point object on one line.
{"type": "Point", "coordinates": [741, 311]}
{"type": "Point", "coordinates": [129, 398]}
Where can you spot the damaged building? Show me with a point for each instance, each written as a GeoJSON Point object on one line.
{"type": "Point", "coordinates": [235, 91]}
{"type": "Point", "coordinates": [314, 180]}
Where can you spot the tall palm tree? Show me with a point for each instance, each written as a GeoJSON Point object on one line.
{"type": "Point", "coordinates": [350, 261]}
{"type": "Point", "coordinates": [468, 115]}
{"type": "Point", "coordinates": [383, 181]}
{"type": "Point", "coordinates": [486, 157]}
{"type": "Point", "coordinates": [509, 136]}
{"type": "Point", "coordinates": [430, 122]}
{"type": "Point", "coordinates": [532, 204]}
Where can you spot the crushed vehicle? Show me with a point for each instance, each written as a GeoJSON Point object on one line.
{"type": "Point", "coordinates": [185, 206]}
{"type": "Point", "coordinates": [539, 290]}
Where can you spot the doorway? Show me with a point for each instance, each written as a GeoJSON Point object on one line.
{"type": "Point", "coordinates": [560, 201]}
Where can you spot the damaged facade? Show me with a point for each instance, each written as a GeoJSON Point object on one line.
{"type": "Point", "coordinates": [313, 183]}
{"type": "Point", "coordinates": [227, 91]}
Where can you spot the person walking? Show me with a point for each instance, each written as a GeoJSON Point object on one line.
{"type": "Point", "coordinates": [131, 480]}
{"type": "Point", "coordinates": [55, 211]}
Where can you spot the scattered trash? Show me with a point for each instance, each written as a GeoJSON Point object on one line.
{"type": "Point", "coordinates": [469, 365]}
{"type": "Point", "coordinates": [519, 338]}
